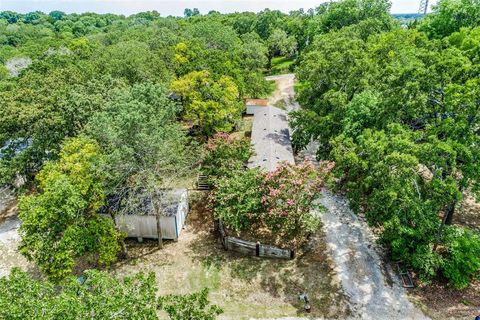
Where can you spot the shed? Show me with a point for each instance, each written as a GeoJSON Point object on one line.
{"type": "Point", "coordinates": [139, 221]}
{"type": "Point", "coordinates": [253, 104]}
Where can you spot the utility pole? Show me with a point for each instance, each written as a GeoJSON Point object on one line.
{"type": "Point", "coordinates": [423, 7]}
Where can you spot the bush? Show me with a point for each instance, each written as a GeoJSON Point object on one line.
{"type": "Point", "coordinates": [237, 199]}
{"type": "Point", "coordinates": [289, 193]}
{"type": "Point", "coordinates": [462, 260]}
{"type": "Point", "coordinates": [281, 200]}
{"type": "Point", "coordinates": [225, 155]}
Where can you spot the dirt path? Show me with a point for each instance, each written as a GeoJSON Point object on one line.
{"type": "Point", "coordinates": [284, 95]}
{"type": "Point", "coordinates": [9, 237]}
{"type": "Point", "coordinates": [372, 288]}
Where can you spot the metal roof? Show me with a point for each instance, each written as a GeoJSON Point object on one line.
{"type": "Point", "coordinates": [270, 138]}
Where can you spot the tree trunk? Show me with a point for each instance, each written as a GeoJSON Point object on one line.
{"type": "Point", "coordinates": [447, 220]}
{"type": "Point", "coordinates": [159, 226]}
{"type": "Point", "coordinates": [270, 57]}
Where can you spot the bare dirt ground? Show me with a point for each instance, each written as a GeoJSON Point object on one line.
{"type": "Point", "coordinates": [9, 237]}
{"type": "Point", "coordinates": [371, 287]}
{"type": "Point", "coordinates": [245, 287]}
{"type": "Point", "coordinates": [284, 95]}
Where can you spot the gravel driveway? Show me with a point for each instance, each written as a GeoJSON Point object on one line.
{"type": "Point", "coordinates": [371, 287]}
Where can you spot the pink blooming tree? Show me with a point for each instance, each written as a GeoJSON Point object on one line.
{"type": "Point", "coordinates": [282, 200]}
{"type": "Point", "coordinates": [289, 195]}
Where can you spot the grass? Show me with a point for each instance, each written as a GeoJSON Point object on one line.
{"type": "Point", "coordinates": [245, 287]}
{"type": "Point", "coordinates": [281, 65]}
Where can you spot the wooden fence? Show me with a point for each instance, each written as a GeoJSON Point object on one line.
{"type": "Point", "coordinates": [251, 248]}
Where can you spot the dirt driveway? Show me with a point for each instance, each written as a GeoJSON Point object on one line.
{"type": "Point", "coordinates": [372, 289]}
{"type": "Point", "coordinates": [9, 237]}
{"type": "Point", "coordinates": [245, 287]}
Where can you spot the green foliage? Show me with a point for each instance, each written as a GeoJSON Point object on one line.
{"type": "Point", "coordinates": [96, 295]}
{"type": "Point", "coordinates": [450, 16]}
{"type": "Point", "coordinates": [336, 15]}
{"type": "Point", "coordinates": [143, 142]}
{"type": "Point", "coordinates": [281, 200]}
{"type": "Point", "coordinates": [462, 261]}
{"type": "Point", "coordinates": [80, 61]}
{"type": "Point", "coordinates": [60, 223]}
{"type": "Point", "coordinates": [237, 199]}
{"type": "Point", "coordinates": [193, 306]}
{"type": "Point", "coordinates": [212, 105]}
{"type": "Point", "coordinates": [397, 113]}
{"type": "Point", "coordinates": [225, 155]}
{"type": "Point", "coordinates": [281, 44]}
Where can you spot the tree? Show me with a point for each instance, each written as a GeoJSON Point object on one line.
{"type": "Point", "coordinates": [225, 155]}
{"type": "Point", "coordinates": [98, 295]}
{"type": "Point", "coordinates": [280, 44]}
{"type": "Point", "coordinates": [450, 16]}
{"type": "Point", "coordinates": [237, 199]}
{"type": "Point", "coordinates": [213, 105]}
{"type": "Point", "coordinates": [397, 113]}
{"type": "Point", "coordinates": [60, 223]}
{"type": "Point", "coordinates": [46, 108]}
{"type": "Point", "coordinates": [146, 147]}
{"type": "Point", "coordinates": [191, 13]}
{"type": "Point", "coordinates": [336, 15]}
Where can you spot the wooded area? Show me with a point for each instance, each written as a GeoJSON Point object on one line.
{"type": "Point", "coordinates": [101, 105]}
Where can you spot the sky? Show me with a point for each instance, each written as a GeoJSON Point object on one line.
{"type": "Point", "coordinates": [176, 7]}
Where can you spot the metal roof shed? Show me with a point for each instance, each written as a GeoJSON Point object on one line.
{"type": "Point", "coordinates": [174, 206]}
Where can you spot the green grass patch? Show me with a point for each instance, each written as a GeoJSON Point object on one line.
{"type": "Point", "coordinates": [281, 65]}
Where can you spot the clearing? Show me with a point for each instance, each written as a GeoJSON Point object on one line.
{"type": "Point", "coordinates": [245, 287]}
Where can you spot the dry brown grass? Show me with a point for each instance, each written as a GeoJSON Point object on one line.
{"type": "Point", "coordinates": [245, 287]}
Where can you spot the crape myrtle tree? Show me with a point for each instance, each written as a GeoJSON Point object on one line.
{"type": "Point", "coordinates": [61, 223]}
{"type": "Point", "coordinates": [97, 295]}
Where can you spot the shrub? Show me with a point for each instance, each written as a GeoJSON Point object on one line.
{"type": "Point", "coordinates": [225, 155]}
{"type": "Point", "coordinates": [289, 193]}
{"type": "Point", "coordinates": [237, 199]}
{"type": "Point", "coordinates": [462, 260]}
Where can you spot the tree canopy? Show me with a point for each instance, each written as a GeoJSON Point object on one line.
{"type": "Point", "coordinates": [397, 112]}
{"type": "Point", "coordinates": [60, 223]}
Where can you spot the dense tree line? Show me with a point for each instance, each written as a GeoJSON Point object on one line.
{"type": "Point", "coordinates": [397, 110]}
{"type": "Point", "coordinates": [97, 105]}
{"type": "Point", "coordinates": [100, 111]}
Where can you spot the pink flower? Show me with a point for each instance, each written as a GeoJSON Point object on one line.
{"type": "Point", "coordinates": [290, 202]}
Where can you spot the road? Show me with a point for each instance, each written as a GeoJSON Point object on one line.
{"type": "Point", "coordinates": [373, 290]}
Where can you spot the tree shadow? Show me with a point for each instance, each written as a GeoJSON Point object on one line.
{"type": "Point", "coordinates": [311, 272]}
